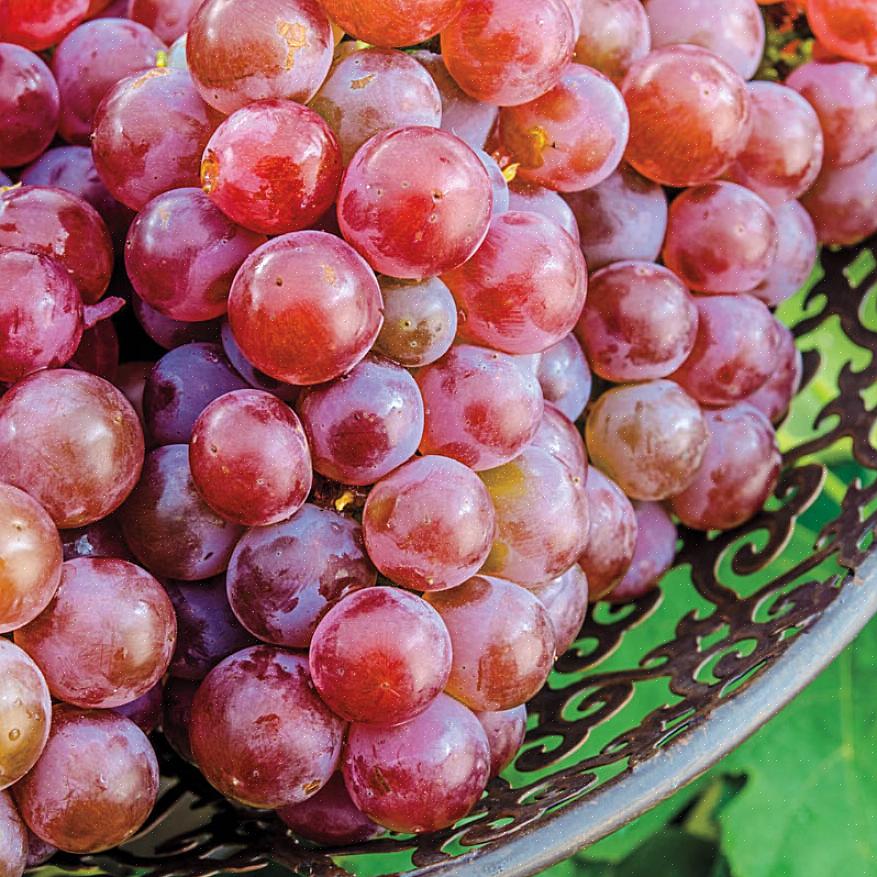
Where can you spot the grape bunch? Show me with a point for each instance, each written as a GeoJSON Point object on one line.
{"type": "Point", "coordinates": [460, 308]}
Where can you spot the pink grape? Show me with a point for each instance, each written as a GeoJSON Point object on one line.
{"type": "Point", "coordinates": [13, 839]}
{"type": "Point", "coordinates": [256, 379]}
{"type": "Point", "coordinates": [612, 34]}
{"type": "Point", "coordinates": [38, 25]}
{"type": "Point", "coordinates": [559, 436]}
{"type": "Point", "coordinates": [169, 333]}
{"type": "Point", "coordinates": [566, 600]}
{"type": "Point", "coordinates": [565, 377]}
{"type": "Point", "coordinates": [480, 407]}
{"type": "Point", "coordinates": [257, 710]}
{"type": "Point", "coordinates": [499, 187]}
{"type": "Point", "coordinates": [176, 715]}
{"type": "Point", "coordinates": [168, 19]}
{"type": "Point", "coordinates": [420, 776]}
{"type": "Point", "coordinates": [775, 395]}
{"type": "Point", "coordinates": [429, 525]}
{"type": "Point", "coordinates": [392, 22]}
{"type": "Point", "coordinates": [145, 712]}
{"type": "Point", "coordinates": [530, 198]}
{"type": "Point", "coordinates": [176, 56]}
{"type": "Point", "coordinates": [505, 731]}
{"type": "Point", "coordinates": [94, 785]}
{"type": "Point", "coordinates": [282, 579]}
{"type": "Point", "coordinates": [415, 202]}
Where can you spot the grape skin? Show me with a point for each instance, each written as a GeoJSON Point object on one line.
{"type": "Point", "coordinates": [565, 377]}
{"type": "Point", "coordinates": [775, 395]}
{"type": "Point", "coordinates": [559, 436]}
{"type": "Point", "coordinates": [505, 731]}
{"type": "Point", "coordinates": [566, 599]}
{"type": "Point", "coordinates": [13, 839]}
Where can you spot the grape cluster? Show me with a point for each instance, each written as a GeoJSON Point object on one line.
{"type": "Point", "coordinates": [425, 387]}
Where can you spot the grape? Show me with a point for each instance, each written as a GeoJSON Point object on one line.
{"type": "Point", "coordinates": [480, 406]}
{"type": "Point", "coordinates": [107, 636]}
{"type": "Point", "coordinates": [565, 377]}
{"type": "Point", "coordinates": [541, 516]}
{"type": "Point", "coordinates": [90, 60]}
{"type": "Point", "coordinates": [420, 776]}
{"type": "Point", "coordinates": [364, 424]}
{"type": "Point", "coordinates": [38, 851]}
{"type": "Point", "coordinates": [168, 19]}
{"type": "Point", "coordinates": [256, 379]}
{"type": "Point", "coordinates": [523, 289]}
{"type": "Point", "coordinates": [558, 435]}
{"type": "Point", "coordinates": [176, 56]}
{"type": "Point", "coordinates": [566, 600]}
{"type": "Point", "coordinates": [380, 655]}
{"type": "Point", "coordinates": [25, 713]}
{"type": "Point", "coordinates": [207, 629]}
{"type": "Point", "coordinates": [721, 237]}
{"type": "Point", "coordinates": [145, 712]}
{"type": "Point", "coordinates": [843, 202]}
{"type": "Point", "coordinates": [797, 249]}
{"type": "Point", "coordinates": [283, 579]}
{"type": "Point", "coordinates": [240, 51]}
{"type": "Point", "coordinates": [420, 321]}
{"type": "Point", "coordinates": [330, 817]}
{"type": "Point", "coordinates": [503, 642]}
{"type": "Point", "coordinates": [305, 308]}
{"type": "Point", "coordinates": [530, 198]}
{"type": "Point", "coordinates": [499, 188]}
{"type": "Point", "coordinates": [29, 105]}
{"type": "Point", "coordinates": [429, 525]}
{"type": "Point", "coordinates": [259, 732]}
{"type": "Point", "coordinates": [415, 202]}
{"type": "Point", "coordinates": [98, 351]}
{"type": "Point", "coordinates": [774, 396]}
{"type": "Point", "coordinates": [176, 715]}
{"type": "Point", "coordinates": [507, 52]}
{"type": "Point", "coordinates": [467, 118]}
{"type": "Point", "coordinates": [573, 136]}
{"type": "Point", "coordinates": [167, 525]}
{"type": "Point", "coordinates": [734, 353]}
{"type": "Point", "coordinates": [625, 217]}
{"type": "Point", "coordinates": [612, 535]}
{"type": "Point", "coordinates": [13, 837]}
{"type": "Point", "coordinates": [848, 27]}
{"type": "Point", "coordinates": [376, 90]}
{"type": "Point", "coordinates": [100, 539]}
{"type": "Point", "coordinates": [273, 166]}
{"type": "Point", "coordinates": [38, 24]}
{"type": "Point", "coordinates": [654, 554]}
{"type": "Point", "coordinates": [52, 222]}
{"type": "Point", "coordinates": [150, 131]}
{"type": "Point", "coordinates": [170, 333]}
{"type": "Point", "coordinates": [95, 784]}
{"type": "Point", "coordinates": [131, 380]}
{"type": "Point", "coordinates": [844, 96]}
{"type": "Point", "coordinates": [689, 115]}
{"type": "Point", "coordinates": [250, 459]}
{"type": "Point", "coordinates": [505, 731]}
{"type": "Point", "coordinates": [784, 152]}
{"type": "Point", "coordinates": [612, 34]}
{"type": "Point", "coordinates": [648, 438]}
{"type": "Point", "coordinates": [73, 442]}
{"type": "Point", "coordinates": [182, 254]}
{"type": "Point", "coordinates": [392, 22]}
{"type": "Point", "coordinates": [738, 473]}
{"type": "Point", "coordinates": [639, 322]}
{"type": "Point", "coordinates": [40, 314]}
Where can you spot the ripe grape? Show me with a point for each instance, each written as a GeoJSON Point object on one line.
{"type": "Point", "coordinates": [415, 202]}
{"type": "Point", "coordinates": [734, 353]}
{"type": "Point", "coordinates": [94, 785]}
{"type": "Point", "coordinates": [689, 115]}
{"type": "Point", "coordinates": [73, 442]}
{"type": "Point", "coordinates": [503, 642]}
{"type": "Point", "coordinates": [566, 600]}
{"type": "Point", "coordinates": [565, 378]}
{"type": "Point", "coordinates": [250, 459]}
{"type": "Point", "coordinates": [255, 712]}
{"type": "Point", "coordinates": [499, 187]}
{"type": "Point", "coordinates": [783, 154]}
{"type": "Point", "coordinates": [775, 395]}
{"type": "Point", "coordinates": [654, 554]}
{"type": "Point", "coordinates": [98, 351]}
{"type": "Point", "coordinates": [305, 308]}
{"type": "Point", "coordinates": [523, 289]}
{"type": "Point", "coordinates": [107, 636]}
{"type": "Point", "coordinates": [131, 380]}
{"type": "Point", "coordinates": [168, 19]}
{"type": "Point", "coordinates": [721, 237]}
{"type": "Point", "coordinates": [612, 34]}
{"type": "Point", "coordinates": [365, 424]}
{"type": "Point", "coordinates": [38, 851]}
{"type": "Point", "coordinates": [506, 52]}
{"type": "Point", "coordinates": [625, 217]}
{"type": "Point", "coordinates": [13, 837]}
{"type": "Point", "coordinates": [273, 166]}
{"type": "Point", "coordinates": [170, 333]}
{"type": "Point", "coordinates": [848, 27]}
{"type": "Point", "coordinates": [38, 24]}
{"type": "Point", "coordinates": [29, 105]}
{"type": "Point", "coordinates": [420, 776]}
{"type": "Point", "coordinates": [145, 712]}
{"type": "Point", "coordinates": [240, 51]}
{"type": "Point", "coordinates": [282, 579]}
{"type": "Point", "coordinates": [558, 435]}
{"type": "Point", "coordinates": [25, 713]}
{"type": "Point", "coordinates": [256, 379]}
{"type": "Point", "coordinates": [176, 56]}
{"type": "Point", "coordinates": [480, 406]}
{"type": "Point", "coordinates": [530, 198]}
{"type": "Point", "coordinates": [176, 715]}
{"type": "Point", "coordinates": [429, 525]}
{"type": "Point", "coordinates": [420, 321]}
{"type": "Point", "coordinates": [167, 525]}
{"type": "Point", "coordinates": [182, 254]}
{"type": "Point", "coordinates": [505, 731]}
{"type": "Point", "coordinates": [102, 538]}
{"type": "Point", "coordinates": [573, 136]}
{"type": "Point", "coordinates": [648, 438]}
{"type": "Point", "coordinates": [392, 22]}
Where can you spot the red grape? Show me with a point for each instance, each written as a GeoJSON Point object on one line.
{"type": "Point", "coordinates": [145, 712]}
{"type": "Point", "coordinates": [259, 732]}
{"type": "Point", "coordinates": [95, 783]}
{"type": "Point", "coordinates": [415, 202]}
{"type": "Point", "coordinates": [499, 187]}
{"type": "Point", "coordinates": [100, 539]}
{"type": "Point", "coordinates": [612, 34]}
{"type": "Point", "coordinates": [480, 406]}
{"type": "Point", "coordinates": [392, 22]}
{"type": "Point", "coordinates": [256, 379]}
{"type": "Point", "coordinates": [565, 377]}
{"type": "Point", "coordinates": [38, 851]}
{"type": "Point", "coordinates": [283, 579]}
{"type": "Point", "coordinates": [131, 380]}
{"type": "Point", "coordinates": [98, 351]}
{"type": "Point", "coordinates": [654, 554]}
{"type": "Point", "coordinates": [429, 525]}
{"type": "Point", "coordinates": [168, 19]}
{"type": "Point", "coordinates": [170, 333]}
{"type": "Point", "coordinates": [420, 776]}
{"type": "Point", "coordinates": [305, 308]}
{"type": "Point", "coordinates": [848, 27]}
{"type": "Point", "coordinates": [566, 600]}
{"type": "Point", "coordinates": [13, 835]}
{"type": "Point", "coordinates": [38, 24]}
{"type": "Point", "coordinates": [505, 731]}
{"type": "Point", "coordinates": [639, 322]}
{"type": "Point", "coordinates": [176, 715]}
{"type": "Point", "coordinates": [774, 396]}
{"type": "Point", "coordinates": [530, 198]}
{"type": "Point", "coordinates": [558, 435]}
